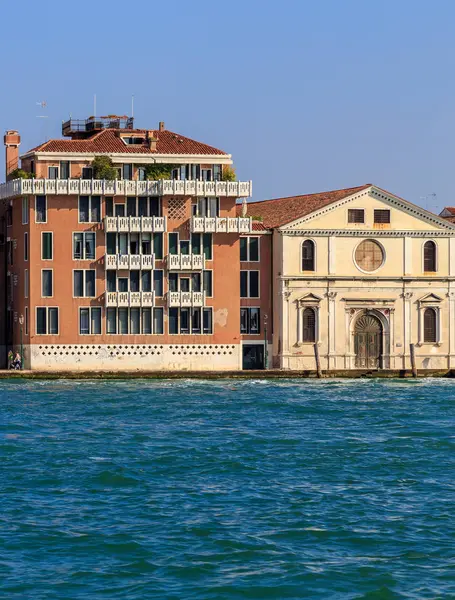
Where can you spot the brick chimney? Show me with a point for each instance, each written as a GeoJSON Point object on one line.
{"type": "Point", "coordinates": [151, 140]}
{"type": "Point", "coordinates": [12, 141]}
{"type": "Point", "coordinates": [161, 126]}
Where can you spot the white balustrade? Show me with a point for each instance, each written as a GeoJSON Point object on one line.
{"type": "Point", "coordinates": [120, 187]}
{"type": "Point", "coordinates": [129, 261]}
{"type": "Point", "coordinates": [147, 261]}
{"type": "Point", "coordinates": [185, 299]}
{"type": "Point", "coordinates": [135, 224]}
{"type": "Point", "coordinates": [221, 225]}
{"type": "Point", "coordinates": [111, 261]}
{"type": "Point", "coordinates": [185, 262]}
{"type": "Point", "coordinates": [129, 299]}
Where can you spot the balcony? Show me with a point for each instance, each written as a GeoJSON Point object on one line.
{"type": "Point", "coordinates": [185, 299]}
{"type": "Point", "coordinates": [124, 187]}
{"type": "Point", "coordinates": [129, 299]}
{"type": "Point", "coordinates": [134, 224]}
{"type": "Point", "coordinates": [221, 225]}
{"type": "Point", "coordinates": [185, 262]}
{"type": "Point", "coordinates": [129, 262]}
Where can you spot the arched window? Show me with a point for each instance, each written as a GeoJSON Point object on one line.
{"type": "Point", "coordinates": [309, 325]}
{"type": "Point", "coordinates": [429, 256]}
{"type": "Point", "coordinates": [308, 255]}
{"type": "Point", "coordinates": [429, 326]}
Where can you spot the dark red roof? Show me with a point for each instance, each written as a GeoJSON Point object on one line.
{"type": "Point", "coordinates": [450, 209]}
{"type": "Point", "coordinates": [108, 141]}
{"type": "Point", "coordinates": [279, 211]}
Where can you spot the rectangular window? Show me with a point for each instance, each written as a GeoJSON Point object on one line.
{"type": "Point", "coordinates": [184, 320]}
{"type": "Point", "coordinates": [46, 321]}
{"type": "Point", "coordinates": [207, 277]}
{"type": "Point", "coordinates": [111, 321]}
{"type": "Point", "coordinates": [128, 172]}
{"type": "Point", "coordinates": [173, 240]}
{"type": "Point", "coordinates": [111, 243]}
{"type": "Point", "coordinates": [196, 243]}
{"type": "Point", "coordinates": [243, 284]}
{"type": "Point", "coordinates": [87, 173]}
{"type": "Point", "coordinates": [9, 217]}
{"type": "Point", "coordinates": [25, 210]}
{"type": "Point", "coordinates": [47, 283]}
{"type": "Point", "coordinates": [123, 321]}
{"type": "Point", "coordinates": [173, 282]}
{"type": "Point", "coordinates": [84, 321]}
{"type": "Point", "coordinates": [158, 282]}
{"type": "Point", "coordinates": [158, 245]}
{"type": "Point", "coordinates": [195, 320]}
{"type": "Point", "coordinates": [47, 245]}
{"type": "Point", "coordinates": [173, 320]}
{"type": "Point", "coordinates": [207, 244]}
{"type": "Point", "coordinates": [26, 321]}
{"type": "Point", "coordinates": [146, 281]}
{"type": "Point", "coordinates": [143, 207]}
{"type": "Point", "coordinates": [26, 283]}
{"type": "Point", "coordinates": [249, 249]}
{"type": "Point", "coordinates": [84, 246]}
{"type": "Point", "coordinates": [40, 209]}
{"type": "Point", "coordinates": [146, 321]}
{"type": "Point", "coordinates": [109, 207]}
{"type": "Point", "coordinates": [155, 206]}
{"type": "Point", "coordinates": [158, 321]}
{"type": "Point", "coordinates": [249, 284]}
{"type": "Point", "coordinates": [131, 207]}
{"type": "Point", "coordinates": [356, 215]}
{"type": "Point", "coordinates": [250, 321]}
{"type": "Point", "coordinates": [207, 321]}
{"type": "Point", "coordinates": [89, 209]}
{"type": "Point", "coordinates": [25, 246]}
{"type": "Point", "coordinates": [111, 281]}
{"type": "Point", "coordinates": [53, 173]}
{"type": "Point", "coordinates": [381, 215]}
{"type": "Point", "coordinates": [135, 321]}
{"type": "Point", "coordinates": [84, 283]}
{"type": "Point", "coordinates": [64, 170]}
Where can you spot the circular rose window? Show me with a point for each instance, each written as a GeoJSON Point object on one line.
{"type": "Point", "coordinates": [369, 255]}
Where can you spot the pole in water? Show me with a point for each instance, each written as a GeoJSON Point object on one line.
{"type": "Point", "coordinates": [413, 360]}
{"type": "Point", "coordinates": [318, 361]}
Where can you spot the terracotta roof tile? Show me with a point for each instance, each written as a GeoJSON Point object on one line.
{"type": "Point", "coordinates": [280, 211]}
{"type": "Point", "coordinates": [450, 209]}
{"type": "Point", "coordinates": [107, 141]}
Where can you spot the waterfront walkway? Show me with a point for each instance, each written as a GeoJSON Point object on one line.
{"type": "Point", "coordinates": [262, 374]}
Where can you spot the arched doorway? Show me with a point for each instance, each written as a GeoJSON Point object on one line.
{"type": "Point", "coordinates": [368, 342]}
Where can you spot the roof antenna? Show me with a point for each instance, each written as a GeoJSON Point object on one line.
{"type": "Point", "coordinates": [94, 105]}
{"type": "Point", "coordinates": [43, 105]}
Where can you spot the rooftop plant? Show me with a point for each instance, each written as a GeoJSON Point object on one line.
{"type": "Point", "coordinates": [103, 168]}
{"type": "Point", "coordinates": [229, 174]}
{"type": "Point", "coordinates": [20, 174]}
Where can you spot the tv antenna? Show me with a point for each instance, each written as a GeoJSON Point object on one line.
{"type": "Point", "coordinates": [43, 105]}
{"type": "Point", "coordinates": [430, 202]}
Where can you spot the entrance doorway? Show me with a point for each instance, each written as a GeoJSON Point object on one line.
{"type": "Point", "coordinates": [368, 342]}
{"type": "Point", "coordinates": [253, 356]}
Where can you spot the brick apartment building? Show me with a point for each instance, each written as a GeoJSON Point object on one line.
{"type": "Point", "coordinates": [137, 272]}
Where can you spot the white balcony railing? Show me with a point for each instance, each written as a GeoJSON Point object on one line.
{"type": "Point", "coordinates": [129, 299]}
{"type": "Point", "coordinates": [20, 187]}
{"type": "Point", "coordinates": [221, 225]}
{"type": "Point", "coordinates": [185, 262]}
{"type": "Point", "coordinates": [129, 261]}
{"type": "Point", "coordinates": [185, 299]}
{"type": "Point", "coordinates": [134, 224]}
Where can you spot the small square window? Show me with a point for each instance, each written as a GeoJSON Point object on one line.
{"type": "Point", "coordinates": [381, 215]}
{"type": "Point", "coordinates": [356, 215]}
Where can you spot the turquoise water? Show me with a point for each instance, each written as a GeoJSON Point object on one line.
{"type": "Point", "coordinates": [227, 490]}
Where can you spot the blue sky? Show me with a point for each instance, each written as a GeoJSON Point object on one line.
{"type": "Point", "coordinates": [306, 95]}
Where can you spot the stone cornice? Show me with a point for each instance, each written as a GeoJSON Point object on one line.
{"type": "Point", "coordinates": [369, 233]}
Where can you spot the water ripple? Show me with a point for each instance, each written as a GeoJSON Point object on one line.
{"type": "Point", "coordinates": [227, 490]}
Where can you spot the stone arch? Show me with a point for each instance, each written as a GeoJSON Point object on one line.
{"type": "Point", "coordinates": [383, 321]}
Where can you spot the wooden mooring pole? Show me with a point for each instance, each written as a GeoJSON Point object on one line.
{"type": "Point", "coordinates": [413, 360]}
{"type": "Point", "coordinates": [318, 361]}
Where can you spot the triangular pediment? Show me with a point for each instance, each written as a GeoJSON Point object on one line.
{"type": "Point", "coordinates": [430, 299]}
{"type": "Point", "coordinates": [404, 216]}
{"type": "Point", "coordinates": [309, 299]}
